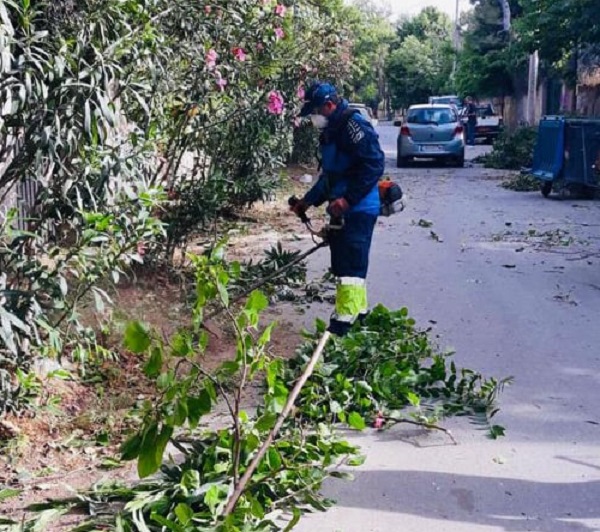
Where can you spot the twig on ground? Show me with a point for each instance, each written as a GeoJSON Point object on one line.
{"type": "Point", "coordinates": [424, 424]}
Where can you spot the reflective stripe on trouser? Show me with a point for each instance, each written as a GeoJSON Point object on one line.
{"type": "Point", "coordinates": [350, 299]}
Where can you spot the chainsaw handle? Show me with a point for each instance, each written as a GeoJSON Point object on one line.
{"type": "Point", "coordinates": [292, 202]}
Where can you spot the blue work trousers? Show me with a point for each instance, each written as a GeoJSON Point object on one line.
{"type": "Point", "coordinates": [350, 248]}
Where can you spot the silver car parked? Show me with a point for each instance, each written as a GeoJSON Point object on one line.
{"type": "Point", "coordinates": [431, 132]}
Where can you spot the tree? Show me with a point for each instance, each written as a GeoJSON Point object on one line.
{"type": "Point", "coordinates": [560, 30]}
{"type": "Point", "coordinates": [371, 34]}
{"type": "Point", "coordinates": [489, 64]}
{"type": "Point", "coordinates": [420, 63]}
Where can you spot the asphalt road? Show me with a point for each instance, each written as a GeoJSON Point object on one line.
{"type": "Point", "coordinates": [514, 297]}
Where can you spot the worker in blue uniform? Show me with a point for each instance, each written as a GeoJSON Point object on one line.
{"type": "Point", "coordinates": [352, 163]}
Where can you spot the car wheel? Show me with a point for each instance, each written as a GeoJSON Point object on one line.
{"type": "Point", "coordinates": [459, 161]}
{"type": "Point", "coordinates": [402, 162]}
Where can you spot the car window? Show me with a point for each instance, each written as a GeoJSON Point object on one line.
{"type": "Point", "coordinates": [485, 110]}
{"type": "Point", "coordinates": [447, 100]}
{"type": "Point", "coordinates": [431, 116]}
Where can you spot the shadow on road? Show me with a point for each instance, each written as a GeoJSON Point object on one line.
{"type": "Point", "coordinates": [514, 505]}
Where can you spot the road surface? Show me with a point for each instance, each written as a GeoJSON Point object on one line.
{"type": "Point", "coordinates": [514, 287]}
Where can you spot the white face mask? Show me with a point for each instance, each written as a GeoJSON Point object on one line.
{"type": "Point", "coordinates": [319, 121]}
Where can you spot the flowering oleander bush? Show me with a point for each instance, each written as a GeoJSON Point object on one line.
{"type": "Point", "coordinates": [149, 118]}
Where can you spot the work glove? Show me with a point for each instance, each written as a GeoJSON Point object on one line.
{"type": "Point", "coordinates": [299, 208]}
{"type": "Point", "coordinates": [338, 207]}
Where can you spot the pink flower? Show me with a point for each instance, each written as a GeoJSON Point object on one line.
{"type": "Point", "coordinates": [280, 10]}
{"type": "Point", "coordinates": [239, 53]}
{"type": "Point", "coordinates": [221, 83]}
{"type": "Point", "coordinates": [211, 59]}
{"type": "Point", "coordinates": [260, 46]}
{"type": "Point", "coordinates": [379, 421]}
{"type": "Point", "coordinates": [275, 105]}
{"type": "Point", "coordinates": [279, 33]}
{"type": "Point", "coordinates": [300, 93]}
{"type": "Point", "coordinates": [297, 122]}
{"type": "Point", "coordinates": [207, 9]}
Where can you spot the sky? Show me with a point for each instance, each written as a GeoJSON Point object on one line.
{"type": "Point", "coordinates": [412, 7]}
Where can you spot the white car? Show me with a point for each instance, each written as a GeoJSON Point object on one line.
{"type": "Point", "coordinates": [365, 111]}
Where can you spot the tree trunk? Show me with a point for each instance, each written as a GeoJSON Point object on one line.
{"type": "Point", "coordinates": [506, 16]}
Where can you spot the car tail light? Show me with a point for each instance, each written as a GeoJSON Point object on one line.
{"type": "Point", "coordinates": [404, 131]}
{"type": "Point", "coordinates": [458, 131]}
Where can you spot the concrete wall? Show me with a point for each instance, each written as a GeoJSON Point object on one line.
{"type": "Point", "coordinates": [588, 100]}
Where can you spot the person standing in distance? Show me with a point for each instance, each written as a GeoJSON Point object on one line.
{"type": "Point", "coordinates": [352, 163]}
{"type": "Point", "coordinates": [471, 111]}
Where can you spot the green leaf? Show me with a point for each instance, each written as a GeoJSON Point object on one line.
{"type": "Point", "coordinates": [190, 481]}
{"type": "Point", "coordinates": [257, 301]}
{"type": "Point", "coordinates": [273, 369]}
{"type": "Point", "coordinates": [181, 412]}
{"type": "Point", "coordinates": [496, 431]}
{"type": "Point", "coordinates": [344, 475]}
{"type": "Point", "coordinates": [147, 462]}
{"type": "Point", "coordinates": [356, 421]}
{"type": "Point", "coordinates": [181, 344]}
{"type": "Point", "coordinates": [110, 463]}
{"type": "Point", "coordinates": [213, 496]}
{"type": "Point", "coordinates": [130, 449]}
{"type": "Point", "coordinates": [9, 493]}
{"type": "Point", "coordinates": [357, 460]}
{"type": "Point", "coordinates": [170, 525]}
{"type": "Point", "coordinates": [274, 459]}
{"type": "Point", "coordinates": [137, 337]}
{"type": "Point", "coordinates": [265, 337]}
{"type": "Point", "coordinates": [266, 422]}
{"type": "Point", "coordinates": [256, 507]}
{"type": "Point", "coordinates": [154, 364]}
{"type": "Point", "coordinates": [296, 515]}
{"type": "Point", "coordinates": [61, 374]}
{"type": "Point", "coordinates": [184, 513]}
{"type": "Point", "coordinates": [198, 407]}
{"type": "Point", "coordinates": [413, 399]}
{"type": "Point", "coordinates": [210, 388]}
{"type": "Point", "coordinates": [223, 294]}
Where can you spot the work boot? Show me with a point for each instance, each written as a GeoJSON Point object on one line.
{"type": "Point", "coordinates": [362, 317]}
{"type": "Point", "coordinates": [339, 328]}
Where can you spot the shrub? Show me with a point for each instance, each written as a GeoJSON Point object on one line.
{"type": "Point", "coordinates": [512, 150]}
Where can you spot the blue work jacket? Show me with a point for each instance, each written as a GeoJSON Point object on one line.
{"type": "Point", "coordinates": [352, 163]}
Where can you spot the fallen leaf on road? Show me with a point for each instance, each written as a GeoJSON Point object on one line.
{"type": "Point", "coordinates": [435, 236]}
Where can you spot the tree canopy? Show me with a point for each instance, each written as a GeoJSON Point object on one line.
{"type": "Point", "coordinates": [489, 63]}
{"type": "Point", "coordinates": [421, 58]}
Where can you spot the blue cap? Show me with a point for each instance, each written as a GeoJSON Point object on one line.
{"type": "Point", "coordinates": [317, 94]}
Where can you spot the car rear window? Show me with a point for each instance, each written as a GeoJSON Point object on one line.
{"type": "Point", "coordinates": [485, 110]}
{"type": "Point", "coordinates": [429, 116]}
{"type": "Point", "coordinates": [447, 100]}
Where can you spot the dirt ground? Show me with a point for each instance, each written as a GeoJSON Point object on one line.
{"type": "Point", "coordinates": [69, 439]}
